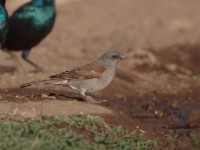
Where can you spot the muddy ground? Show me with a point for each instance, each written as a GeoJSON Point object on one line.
{"type": "Point", "coordinates": [156, 90]}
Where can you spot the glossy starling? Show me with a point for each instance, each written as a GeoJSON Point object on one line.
{"type": "Point", "coordinates": [29, 25]}
{"type": "Point", "coordinates": [3, 22]}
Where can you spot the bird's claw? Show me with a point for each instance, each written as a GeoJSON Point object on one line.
{"type": "Point", "coordinates": [37, 68]}
{"type": "Point", "coordinates": [90, 99]}
{"type": "Point", "coordinates": [103, 101]}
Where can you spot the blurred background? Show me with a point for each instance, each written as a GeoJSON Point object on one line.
{"type": "Point", "coordinates": [85, 29]}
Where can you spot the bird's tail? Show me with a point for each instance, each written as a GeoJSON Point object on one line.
{"type": "Point", "coordinates": [50, 81]}
{"type": "Point", "coordinates": [34, 83]}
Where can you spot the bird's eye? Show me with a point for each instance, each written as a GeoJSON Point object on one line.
{"type": "Point", "coordinates": [115, 56]}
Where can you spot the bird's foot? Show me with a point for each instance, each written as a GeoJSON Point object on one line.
{"type": "Point", "coordinates": [37, 68]}
{"type": "Point", "coordinates": [103, 101]}
{"type": "Point", "coordinates": [90, 99]}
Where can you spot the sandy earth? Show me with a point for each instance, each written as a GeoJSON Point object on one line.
{"type": "Point", "coordinates": [155, 90]}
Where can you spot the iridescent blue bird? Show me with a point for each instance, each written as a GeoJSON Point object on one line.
{"type": "Point", "coordinates": [3, 22]}
{"type": "Point", "coordinates": [29, 25]}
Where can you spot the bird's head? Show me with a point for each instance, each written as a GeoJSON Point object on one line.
{"type": "Point", "coordinates": [112, 57]}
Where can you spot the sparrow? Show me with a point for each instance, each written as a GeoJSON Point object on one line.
{"type": "Point", "coordinates": [91, 77]}
{"type": "Point", "coordinates": [28, 26]}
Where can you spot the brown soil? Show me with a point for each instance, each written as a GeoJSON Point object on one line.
{"type": "Point", "coordinates": [156, 90]}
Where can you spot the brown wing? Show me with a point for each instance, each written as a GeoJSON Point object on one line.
{"type": "Point", "coordinates": [89, 71]}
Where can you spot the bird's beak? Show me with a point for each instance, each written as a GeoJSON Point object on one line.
{"type": "Point", "coordinates": [122, 57]}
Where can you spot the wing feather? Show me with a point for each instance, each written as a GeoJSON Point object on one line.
{"type": "Point", "coordinates": [88, 71]}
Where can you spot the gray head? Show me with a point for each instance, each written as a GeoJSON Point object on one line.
{"type": "Point", "coordinates": [111, 58]}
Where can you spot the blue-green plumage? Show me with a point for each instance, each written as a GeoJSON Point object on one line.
{"type": "Point", "coordinates": [3, 21]}
{"type": "Point", "coordinates": [29, 25]}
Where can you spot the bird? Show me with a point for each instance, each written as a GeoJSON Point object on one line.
{"type": "Point", "coordinates": [3, 22]}
{"type": "Point", "coordinates": [28, 26]}
{"type": "Point", "coordinates": [91, 77]}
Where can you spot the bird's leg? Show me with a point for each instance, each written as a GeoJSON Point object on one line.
{"type": "Point", "coordinates": [87, 98]}
{"type": "Point", "coordinates": [25, 55]}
